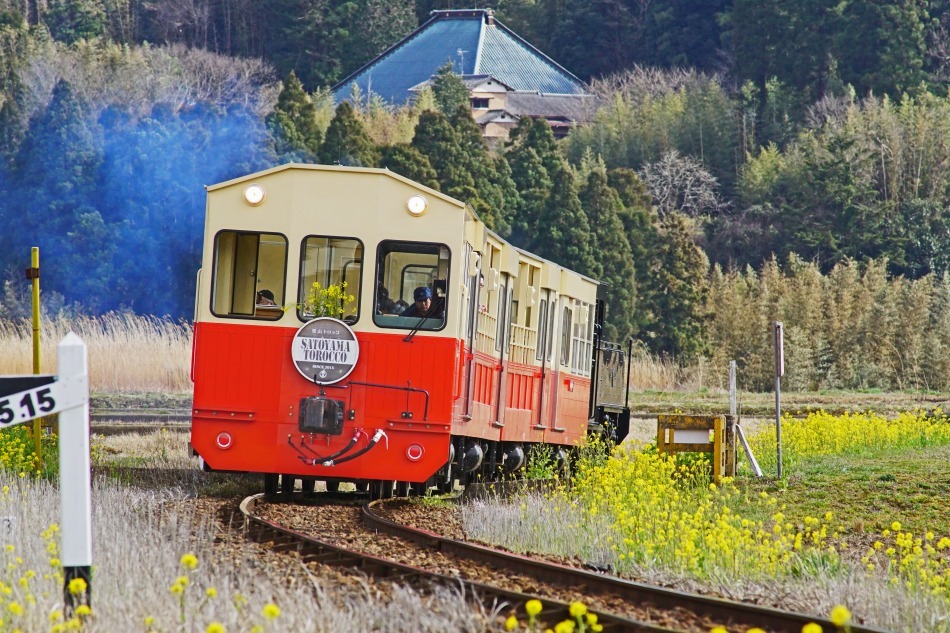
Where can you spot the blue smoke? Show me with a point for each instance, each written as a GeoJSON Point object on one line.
{"type": "Point", "coordinates": [117, 205]}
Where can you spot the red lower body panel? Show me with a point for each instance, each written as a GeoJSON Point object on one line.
{"type": "Point", "coordinates": [247, 406]}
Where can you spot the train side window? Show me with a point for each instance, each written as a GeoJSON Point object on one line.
{"type": "Point", "coordinates": [246, 266]}
{"type": "Point", "coordinates": [330, 261]}
{"type": "Point", "coordinates": [583, 337]}
{"type": "Point", "coordinates": [401, 268]}
{"type": "Point", "coordinates": [501, 323]}
{"type": "Point", "coordinates": [566, 336]}
{"type": "Point", "coordinates": [542, 329]}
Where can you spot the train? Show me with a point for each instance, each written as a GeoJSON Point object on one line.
{"type": "Point", "coordinates": [354, 326]}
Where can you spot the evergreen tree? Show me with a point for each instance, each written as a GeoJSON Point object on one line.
{"type": "Point", "coordinates": [407, 161]}
{"type": "Point", "coordinates": [677, 289]}
{"type": "Point", "coordinates": [640, 225]}
{"type": "Point", "coordinates": [347, 142]}
{"type": "Point", "coordinates": [531, 152]}
{"type": "Point", "coordinates": [603, 207]}
{"type": "Point", "coordinates": [293, 124]}
{"type": "Point", "coordinates": [72, 20]}
{"type": "Point", "coordinates": [437, 140]}
{"type": "Point", "coordinates": [564, 232]}
{"type": "Point", "coordinates": [497, 195]}
{"type": "Point", "coordinates": [465, 168]}
{"type": "Point", "coordinates": [449, 90]}
{"type": "Point", "coordinates": [882, 45]}
{"type": "Point", "coordinates": [534, 187]}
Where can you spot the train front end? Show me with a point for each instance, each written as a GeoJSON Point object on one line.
{"type": "Point", "coordinates": [312, 358]}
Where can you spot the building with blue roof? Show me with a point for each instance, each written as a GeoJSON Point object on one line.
{"type": "Point", "coordinates": [507, 77]}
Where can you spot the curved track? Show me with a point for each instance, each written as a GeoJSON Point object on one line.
{"type": "Point", "coordinates": [628, 606]}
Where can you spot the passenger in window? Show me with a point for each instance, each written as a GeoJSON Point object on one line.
{"type": "Point", "coordinates": [265, 298]}
{"type": "Point", "coordinates": [384, 305]}
{"type": "Point", "coordinates": [481, 285]}
{"type": "Point", "coordinates": [423, 306]}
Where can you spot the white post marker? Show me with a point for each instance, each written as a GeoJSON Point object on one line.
{"type": "Point", "coordinates": [23, 398]}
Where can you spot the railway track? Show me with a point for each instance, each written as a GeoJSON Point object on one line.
{"type": "Point", "coordinates": [503, 580]}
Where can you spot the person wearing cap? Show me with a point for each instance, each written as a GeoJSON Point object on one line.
{"type": "Point", "coordinates": [265, 298]}
{"type": "Point", "coordinates": [423, 303]}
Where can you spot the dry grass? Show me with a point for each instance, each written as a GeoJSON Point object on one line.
{"type": "Point", "coordinates": [127, 353]}
{"type": "Point", "coordinates": [139, 537]}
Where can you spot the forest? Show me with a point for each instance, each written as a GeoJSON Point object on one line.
{"type": "Point", "coordinates": [740, 149]}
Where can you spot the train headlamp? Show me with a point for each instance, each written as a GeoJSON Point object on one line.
{"type": "Point", "coordinates": [254, 194]}
{"type": "Point", "coordinates": [416, 205]}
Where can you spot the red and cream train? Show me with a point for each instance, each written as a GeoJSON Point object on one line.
{"type": "Point", "coordinates": [506, 357]}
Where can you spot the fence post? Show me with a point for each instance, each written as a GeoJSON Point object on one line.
{"type": "Point", "coordinates": [75, 477]}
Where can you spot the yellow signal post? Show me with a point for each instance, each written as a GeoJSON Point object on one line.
{"type": "Point", "coordinates": [33, 274]}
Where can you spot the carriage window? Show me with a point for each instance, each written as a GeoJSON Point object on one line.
{"type": "Point", "coordinates": [405, 271]}
{"type": "Point", "coordinates": [542, 329]}
{"type": "Point", "coordinates": [583, 337]}
{"type": "Point", "coordinates": [330, 274]}
{"type": "Point", "coordinates": [566, 336]}
{"type": "Point", "coordinates": [249, 275]}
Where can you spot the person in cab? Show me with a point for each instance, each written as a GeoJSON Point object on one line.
{"type": "Point", "coordinates": [423, 305]}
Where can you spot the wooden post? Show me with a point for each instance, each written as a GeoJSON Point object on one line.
{"type": "Point", "coordinates": [690, 434]}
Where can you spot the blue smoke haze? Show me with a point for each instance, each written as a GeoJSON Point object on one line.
{"type": "Point", "coordinates": [117, 206]}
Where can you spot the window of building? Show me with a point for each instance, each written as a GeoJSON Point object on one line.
{"type": "Point", "coordinates": [479, 103]}
{"type": "Point", "coordinates": [249, 275]}
{"type": "Point", "coordinates": [336, 265]}
{"type": "Point", "coordinates": [402, 269]}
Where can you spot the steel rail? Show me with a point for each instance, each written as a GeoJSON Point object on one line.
{"type": "Point", "coordinates": [282, 539]}
{"type": "Point", "coordinates": [727, 612]}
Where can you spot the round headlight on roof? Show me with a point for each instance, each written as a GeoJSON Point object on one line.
{"type": "Point", "coordinates": [254, 194]}
{"type": "Point", "coordinates": [416, 205]}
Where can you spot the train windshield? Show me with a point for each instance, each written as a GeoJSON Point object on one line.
{"type": "Point", "coordinates": [411, 283]}
{"type": "Point", "coordinates": [249, 275]}
{"type": "Point", "coordinates": [331, 270]}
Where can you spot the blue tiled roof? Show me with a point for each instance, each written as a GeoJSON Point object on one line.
{"type": "Point", "coordinates": [487, 47]}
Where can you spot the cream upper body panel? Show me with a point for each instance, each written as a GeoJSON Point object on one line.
{"type": "Point", "coordinates": [369, 205]}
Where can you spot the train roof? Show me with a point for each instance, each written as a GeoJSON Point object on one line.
{"type": "Point", "coordinates": [407, 181]}
{"type": "Point", "coordinates": [339, 168]}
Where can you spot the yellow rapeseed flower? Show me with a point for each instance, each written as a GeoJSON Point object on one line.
{"type": "Point", "coordinates": [83, 610]}
{"type": "Point", "coordinates": [270, 611]}
{"type": "Point", "coordinates": [719, 629]}
{"type": "Point", "coordinates": [840, 615]}
{"type": "Point", "coordinates": [532, 607]}
{"type": "Point", "coordinates": [567, 626]}
{"type": "Point", "coordinates": [15, 608]}
{"type": "Point", "coordinates": [211, 592]}
{"type": "Point", "coordinates": [896, 526]}
{"type": "Point", "coordinates": [189, 561]}
{"type": "Point", "coordinates": [577, 609]}
{"type": "Point", "coordinates": [511, 623]}
{"type": "Point", "coordinates": [77, 586]}
{"type": "Point", "coordinates": [215, 627]}
{"type": "Point", "coordinates": [812, 627]}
